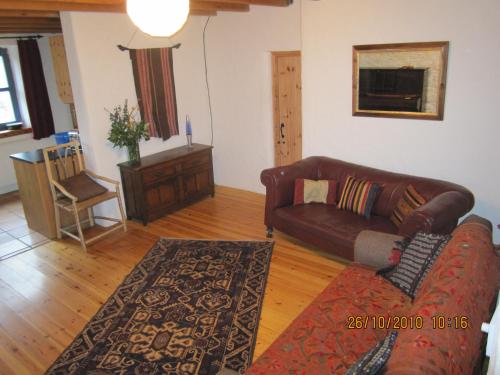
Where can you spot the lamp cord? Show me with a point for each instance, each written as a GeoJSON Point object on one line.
{"type": "Point", "coordinates": [132, 37]}
{"type": "Point", "coordinates": [206, 82]}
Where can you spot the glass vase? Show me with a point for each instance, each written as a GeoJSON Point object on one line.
{"type": "Point", "coordinates": [134, 155]}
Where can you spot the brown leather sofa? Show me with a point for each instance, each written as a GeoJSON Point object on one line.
{"type": "Point", "coordinates": [334, 230]}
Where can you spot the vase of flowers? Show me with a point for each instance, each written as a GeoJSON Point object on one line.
{"type": "Point", "coordinates": [126, 130]}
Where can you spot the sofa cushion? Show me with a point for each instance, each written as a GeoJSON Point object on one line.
{"type": "Point", "coordinates": [418, 256]}
{"type": "Point", "coordinates": [373, 361]}
{"type": "Point", "coordinates": [358, 196]}
{"type": "Point", "coordinates": [314, 191]}
{"type": "Point", "coordinates": [339, 228]}
{"type": "Point", "coordinates": [318, 341]}
{"type": "Point", "coordinates": [410, 201]}
{"type": "Point", "coordinates": [462, 283]}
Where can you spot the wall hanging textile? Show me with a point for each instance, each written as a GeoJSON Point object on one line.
{"type": "Point", "coordinates": [154, 84]}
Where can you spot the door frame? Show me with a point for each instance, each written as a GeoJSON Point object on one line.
{"type": "Point", "coordinates": [276, 115]}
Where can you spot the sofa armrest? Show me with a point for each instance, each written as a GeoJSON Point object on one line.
{"type": "Point", "coordinates": [374, 248]}
{"type": "Point", "coordinates": [280, 183]}
{"type": "Point", "coordinates": [439, 215]}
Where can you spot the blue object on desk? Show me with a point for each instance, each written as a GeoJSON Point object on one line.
{"type": "Point", "coordinates": [62, 137]}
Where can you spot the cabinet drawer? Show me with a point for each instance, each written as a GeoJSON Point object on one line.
{"type": "Point", "coordinates": [157, 173]}
{"type": "Point", "coordinates": [195, 162]}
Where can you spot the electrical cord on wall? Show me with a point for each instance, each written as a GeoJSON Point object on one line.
{"type": "Point", "coordinates": [206, 82]}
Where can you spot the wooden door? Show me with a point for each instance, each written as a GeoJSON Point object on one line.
{"type": "Point", "coordinates": [61, 70]}
{"type": "Point", "coordinates": [287, 107]}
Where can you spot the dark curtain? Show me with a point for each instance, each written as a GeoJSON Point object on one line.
{"type": "Point", "coordinates": [155, 88]}
{"type": "Point", "coordinates": [35, 89]}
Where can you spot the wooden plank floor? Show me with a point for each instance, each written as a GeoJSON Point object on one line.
{"type": "Point", "coordinates": [49, 293]}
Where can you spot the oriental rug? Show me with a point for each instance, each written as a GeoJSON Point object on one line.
{"type": "Point", "coordinates": [188, 307]}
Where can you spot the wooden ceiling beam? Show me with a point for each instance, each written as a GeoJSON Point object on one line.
{"type": "Point", "coordinates": [29, 13]}
{"type": "Point", "coordinates": [23, 30]}
{"type": "Point", "coordinates": [195, 12]}
{"type": "Point", "coordinates": [218, 6]}
{"type": "Point", "coordinates": [120, 5]}
{"type": "Point", "coordinates": [67, 5]}
{"type": "Point", "coordinates": [276, 3]}
{"type": "Point", "coordinates": [30, 20]}
{"type": "Point", "coordinates": [20, 15]}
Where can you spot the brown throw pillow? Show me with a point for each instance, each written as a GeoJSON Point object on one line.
{"type": "Point", "coordinates": [410, 201]}
{"type": "Point", "coordinates": [318, 191]}
{"type": "Point", "coordinates": [82, 187]}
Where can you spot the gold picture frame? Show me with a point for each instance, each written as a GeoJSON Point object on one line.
{"type": "Point", "coordinates": [400, 80]}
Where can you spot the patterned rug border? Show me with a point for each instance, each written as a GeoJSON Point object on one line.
{"type": "Point", "coordinates": [108, 299]}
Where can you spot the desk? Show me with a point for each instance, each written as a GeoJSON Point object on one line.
{"type": "Point", "coordinates": [34, 190]}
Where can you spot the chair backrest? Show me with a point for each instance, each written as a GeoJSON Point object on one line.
{"type": "Point", "coordinates": [63, 161]}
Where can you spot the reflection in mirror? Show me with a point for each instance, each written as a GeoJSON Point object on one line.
{"type": "Point", "coordinates": [405, 80]}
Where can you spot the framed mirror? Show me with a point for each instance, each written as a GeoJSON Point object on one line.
{"type": "Point", "coordinates": [404, 80]}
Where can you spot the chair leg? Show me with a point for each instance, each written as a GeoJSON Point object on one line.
{"type": "Point", "coordinates": [79, 228]}
{"type": "Point", "coordinates": [269, 232]}
{"type": "Point", "coordinates": [57, 214]}
{"type": "Point", "coordinates": [90, 212]}
{"type": "Point", "coordinates": [122, 212]}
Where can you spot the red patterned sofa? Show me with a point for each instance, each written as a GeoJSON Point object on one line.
{"type": "Point", "coordinates": [460, 288]}
{"type": "Point", "coordinates": [335, 230]}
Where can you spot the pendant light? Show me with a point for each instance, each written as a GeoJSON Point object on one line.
{"type": "Point", "coordinates": [158, 17]}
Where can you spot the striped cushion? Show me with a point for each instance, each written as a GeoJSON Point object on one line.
{"type": "Point", "coordinates": [318, 191]}
{"type": "Point", "coordinates": [410, 201]}
{"type": "Point", "coordinates": [416, 261]}
{"type": "Point", "coordinates": [374, 361]}
{"type": "Point", "coordinates": [358, 196]}
{"type": "Point", "coordinates": [432, 260]}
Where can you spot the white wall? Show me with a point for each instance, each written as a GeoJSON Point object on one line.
{"type": "Point", "coordinates": [101, 77]}
{"type": "Point", "coordinates": [461, 149]}
{"type": "Point", "coordinates": [239, 47]}
{"type": "Point", "coordinates": [239, 64]}
{"type": "Point", "coordinates": [464, 147]}
{"type": "Point", "coordinates": [60, 113]}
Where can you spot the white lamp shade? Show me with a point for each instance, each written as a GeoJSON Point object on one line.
{"type": "Point", "coordinates": [158, 17]}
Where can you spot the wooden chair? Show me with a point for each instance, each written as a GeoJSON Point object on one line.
{"type": "Point", "coordinates": [75, 190]}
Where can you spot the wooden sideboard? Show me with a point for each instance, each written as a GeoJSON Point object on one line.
{"type": "Point", "coordinates": [167, 181]}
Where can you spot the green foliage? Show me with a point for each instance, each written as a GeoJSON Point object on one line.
{"type": "Point", "coordinates": [126, 130]}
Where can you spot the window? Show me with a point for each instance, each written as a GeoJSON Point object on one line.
{"type": "Point", "coordinates": [9, 107]}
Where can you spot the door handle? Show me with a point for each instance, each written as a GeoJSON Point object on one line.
{"type": "Point", "coordinates": [281, 130]}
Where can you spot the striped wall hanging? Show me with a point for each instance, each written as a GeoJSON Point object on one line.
{"type": "Point", "coordinates": [154, 84]}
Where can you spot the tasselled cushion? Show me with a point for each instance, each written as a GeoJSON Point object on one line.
{"type": "Point", "coordinates": [314, 191]}
{"type": "Point", "coordinates": [410, 201]}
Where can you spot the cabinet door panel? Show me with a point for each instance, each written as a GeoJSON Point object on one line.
{"type": "Point", "coordinates": [196, 183]}
{"type": "Point", "coordinates": [168, 193]}
{"type": "Point", "coordinates": [161, 195]}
